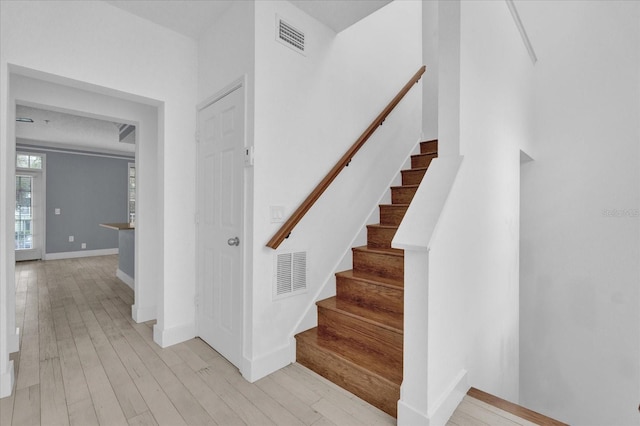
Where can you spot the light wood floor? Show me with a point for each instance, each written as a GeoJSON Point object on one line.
{"type": "Point", "coordinates": [473, 412]}
{"type": "Point", "coordinates": [83, 361]}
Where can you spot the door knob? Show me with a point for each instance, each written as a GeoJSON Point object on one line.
{"type": "Point", "coordinates": [235, 241]}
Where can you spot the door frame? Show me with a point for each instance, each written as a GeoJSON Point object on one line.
{"type": "Point", "coordinates": [41, 192]}
{"type": "Point", "coordinates": [237, 84]}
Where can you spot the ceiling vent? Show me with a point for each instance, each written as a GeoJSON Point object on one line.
{"type": "Point", "coordinates": [290, 36]}
{"type": "Point", "coordinates": [291, 274]}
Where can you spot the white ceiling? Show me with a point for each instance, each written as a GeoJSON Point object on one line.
{"type": "Point", "coordinates": [62, 130]}
{"type": "Point", "coordinates": [339, 14]}
{"type": "Point", "coordinates": [191, 17]}
{"type": "Point", "coordinates": [187, 17]}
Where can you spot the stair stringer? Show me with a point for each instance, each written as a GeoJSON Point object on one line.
{"type": "Point", "coordinates": [309, 318]}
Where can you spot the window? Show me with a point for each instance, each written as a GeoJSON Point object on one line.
{"type": "Point", "coordinates": [29, 169]}
{"type": "Point", "coordinates": [29, 161]}
{"type": "Point", "coordinates": [24, 213]}
{"type": "Point", "coordinates": [131, 201]}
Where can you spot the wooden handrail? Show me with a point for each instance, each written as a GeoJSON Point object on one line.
{"type": "Point", "coordinates": [288, 226]}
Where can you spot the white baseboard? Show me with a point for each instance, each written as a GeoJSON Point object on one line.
{"type": "Point", "coordinates": [444, 407]}
{"type": "Point", "coordinates": [253, 370]}
{"type": "Point", "coordinates": [13, 341]}
{"type": "Point", "coordinates": [125, 278]}
{"type": "Point", "coordinates": [83, 253]}
{"type": "Point", "coordinates": [411, 416]}
{"type": "Point", "coordinates": [174, 335]}
{"type": "Point", "coordinates": [7, 378]}
{"type": "Point", "coordinates": [143, 314]}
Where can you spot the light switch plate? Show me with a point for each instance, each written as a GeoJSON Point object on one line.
{"type": "Point", "coordinates": [277, 214]}
{"type": "Point", "coordinates": [71, 238]}
{"type": "Point", "coordinates": [57, 211]}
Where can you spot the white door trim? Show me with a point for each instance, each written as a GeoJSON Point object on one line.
{"type": "Point", "coordinates": [236, 84]}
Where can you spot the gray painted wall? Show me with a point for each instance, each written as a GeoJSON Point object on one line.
{"type": "Point", "coordinates": [88, 190]}
{"type": "Point", "coordinates": [126, 258]}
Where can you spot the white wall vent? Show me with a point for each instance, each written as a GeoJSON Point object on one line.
{"type": "Point", "coordinates": [291, 274]}
{"type": "Point", "coordinates": [289, 35]}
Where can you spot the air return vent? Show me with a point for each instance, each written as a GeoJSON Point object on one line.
{"type": "Point", "coordinates": [290, 36]}
{"type": "Point", "coordinates": [291, 274]}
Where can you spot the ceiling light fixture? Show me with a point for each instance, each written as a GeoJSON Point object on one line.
{"type": "Point", "coordinates": [24, 120]}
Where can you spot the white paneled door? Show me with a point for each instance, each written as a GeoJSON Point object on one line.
{"type": "Point", "coordinates": [220, 224]}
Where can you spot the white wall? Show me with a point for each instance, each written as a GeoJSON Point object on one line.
{"type": "Point", "coordinates": [580, 272]}
{"type": "Point", "coordinates": [114, 50]}
{"type": "Point", "coordinates": [473, 277]}
{"type": "Point", "coordinates": [472, 302]}
{"type": "Point", "coordinates": [308, 111]}
{"type": "Point", "coordinates": [226, 51]}
{"type": "Point", "coordinates": [430, 57]}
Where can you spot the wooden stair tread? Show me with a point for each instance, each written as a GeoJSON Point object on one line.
{"type": "Point", "coordinates": [387, 251]}
{"type": "Point", "coordinates": [405, 186]}
{"type": "Point", "coordinates": [418, 169]}
{"type": "Point", "coordinates": [391, 321]}
{"type": "Point", "coordinates": [378, 225]}
{"type": "Point", "coordinates": [394, 205]}
{"type": "Point", "coordinates": [363, 362]}
{"type": "Point", "coordinates": [375, 279]}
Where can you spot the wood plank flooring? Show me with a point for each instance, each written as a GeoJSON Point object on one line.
{"type": "Point", "coordinates": [83, 361]}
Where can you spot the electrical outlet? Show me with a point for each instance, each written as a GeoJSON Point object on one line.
{"type": "Point", "coordinates": [84, 245]}
{"type": "Point", "coordinates": [57, 211]}
{"type": "Point", "coordinates": [71, 238]}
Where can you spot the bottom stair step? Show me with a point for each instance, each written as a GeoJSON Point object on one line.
{"type": "Point", "coordinates": [360, 374]}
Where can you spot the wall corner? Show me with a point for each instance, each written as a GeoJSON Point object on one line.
{"type": "Point", "coordinates": [174, 335]}
{"type": "Point", "coordinates": [143, 313]}
{"type": "Point", "coordinates": [256, 369]}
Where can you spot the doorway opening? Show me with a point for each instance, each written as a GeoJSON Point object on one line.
{"type": "Point", "coordinates": [33, 89]}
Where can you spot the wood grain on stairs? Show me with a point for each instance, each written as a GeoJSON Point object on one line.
{"type": "Point", "coordinates": [358, 343]}
{"type": "Point", "coordinates": [413, 176]}
{"type": "Point", "coordinates": [383, 262]}
{"type": "Point", "coordinates": [378, 294]}
{"type": "Point", "coordinates": [380, 236]}
{"type": "Point", "coordinates": [403, 194]}
{"type": "Point", "coordinates": [422, 160]}
{"type": "Point", "coordinates": [392, 214]}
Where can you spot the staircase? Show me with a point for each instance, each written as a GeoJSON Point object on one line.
{"type": "Point", "coordinates": [359, 339]}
